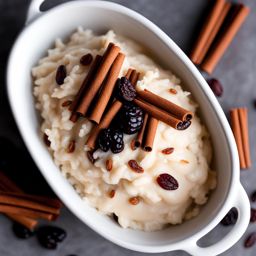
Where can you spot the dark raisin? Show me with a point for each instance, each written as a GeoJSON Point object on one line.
{"type": "Point", "coordinates": [86, 59]}
{"type": "Point", "coordinates": [250, 240]}
{"type": "Point", "coordinates": [115, 217]}
{"type": "Point", "coordinates": [47, 142]}
{"type": "Point", "coordinates": [134, 200]}
{"type": "Point", "coordinates": [66, 103]}
{"type": "Point", "coordinates": [253, 215]}
{"type": "Point", "coordinates": [216, 86]}
{"type": "Point", "coordinates": [21, 232]}
{"type": "Point", "coordinates": [167, 151]}
{"type": "Point", "coordinates": [71, 146]}
{"type": "Point", "coordinates": [230, 218]}
{"type": "Point", "coordinates": [117, 142]}
{"type": "Point", "coordinates": [125, 90]}
{"type": "Point", "coordinates": [90, 156]}
{"type": "Point", "coordinates": [253, 196]}
{"type": "Point", "coordinates": [135, 166]}
{"type": "Point", "coordinates": [61, 74]}
{"type": "Point", "coordinates": [183, 125]}
{"type": "Point", "coordinates": [104, 139]}
{"type": "Point", "coordinates": [130, 118]}
{"type": "Point", "coordinates": [50, 236]}
{"type": "Point", "coordinates": [167, 182]}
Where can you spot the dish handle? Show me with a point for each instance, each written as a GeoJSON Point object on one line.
{"type": "Point", "coordinates": [33, 10]}
{"type": "Point", "coordinates": [242, 204]}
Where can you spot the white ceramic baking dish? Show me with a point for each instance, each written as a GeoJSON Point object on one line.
{"type": "Point", "coordinates": [38, 35]}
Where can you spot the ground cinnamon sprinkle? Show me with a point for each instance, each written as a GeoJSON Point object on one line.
{"type": "Point", "coordinates": [134, 200]}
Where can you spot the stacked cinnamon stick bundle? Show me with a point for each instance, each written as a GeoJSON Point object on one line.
{"type": "Point", "coordinates": [97, 101]}
{"type": "Point", "coordinates": [220, 27]}
{"type": "Point", "coordinates": [239, 124]}
{"type": "Point", "coordinates": [24, 208]}
{"type": "Point", "coordinates": [158, 108]}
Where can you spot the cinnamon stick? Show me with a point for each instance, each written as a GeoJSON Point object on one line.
{"type": "Point", "coordinates": [237, 18]}
{"type": "Point", "coordinates": [215, 30]}
{"type": "Point", "coordinates": [141, 132]}
{"type": "Point", "coordinates": [239, 125]}
{"type": "Point", "coordinates": [91, 73]}
{"type": "Point", "coordinates": [150, 134]}
{"type": "Point", "coordinates": [158, 113]}
{"type": "Point", "coordinates": [129, 72]}
{"type": "Point", "coordinates": [243, 119]}
{"type": "Point", "coordinates": [107, 89]}
{"type": "Point", "coordinates": [106, 63]}
{"type": "Point", "coordinates": [25, 203]}
{"type": "Point", "coordinates": [30, 213]}
{"type": "Point", "coordinates": [134, 77]}
{"type": "Point", "coordinates": [104, 123]}
{"type": "Point", "coordinates": [206, 30]}
{"type": "Point", "coordinates": [175, 110]}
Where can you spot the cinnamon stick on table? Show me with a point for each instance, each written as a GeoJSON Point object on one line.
{"type": "Point", "coordinates": [207, 28]}
{"type": "Point", "coordinates": [239, 124]}
{"type": "Point", "coordinates": [214, 32]}
{"type": "Point", "coordinates": [107, 89]}
{"type": "Point", "coordinates": [106, 63]}
{"type": "Point", "coordinates": [236, 19]}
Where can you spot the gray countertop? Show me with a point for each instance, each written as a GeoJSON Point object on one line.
{"type": "Point", "coordinates": [179, 19]}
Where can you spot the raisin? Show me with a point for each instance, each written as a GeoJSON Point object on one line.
{"type": "Point", "coordinates": [112, 193]}
{"type": "Point", "coordinates": [125, 90]}
{"type": "Point", "coordinates": [250, 240]}
{"type": "Point", "coordinates": [115, 217]}
{"type": "Point", "coordinates": [117, 142]}
{"type": "Point", "coordinates": [50, 236]}
{"type": "Point", "coordinates": [216, 86]}
{"type": "Point", "coordinates": [86, 59]}
{"type": "Point", "coordinates": [109, 165]}
{"type": "Point", "coordinates": [173, 91]}
{"type": "Point", "coordinates": [253, 196]}
{"type": "Point", "coordinates": [66, 103]}
{"type": "Point", "coordinates": [46, 140]}
{"type": "Point", "coordinates": [167, 151]}
{"type": "Point", "coordinates": [253, 215]}
{"type": "Point", "coordinates": [21, 232]}
{"type": "Point", "coordinates": [71, 147]}
{"type": "Point", "coordinates": [104, 139]}
{"type": "Point", "coordinates": [184, 125]}
{"type": "Point", "coordinates": [134, 200]}
{"type": "Point", "coordinates": [135, 166]}
{"type": "Point", "coordinates": [230, 218]}
{"type": "Point", "coordinates": [167, 182]}
{"type": "Point", "coordinates": [61, 74]}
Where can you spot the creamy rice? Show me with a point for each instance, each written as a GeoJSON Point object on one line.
{"type": "Point", "coordinates": [157, 207]}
